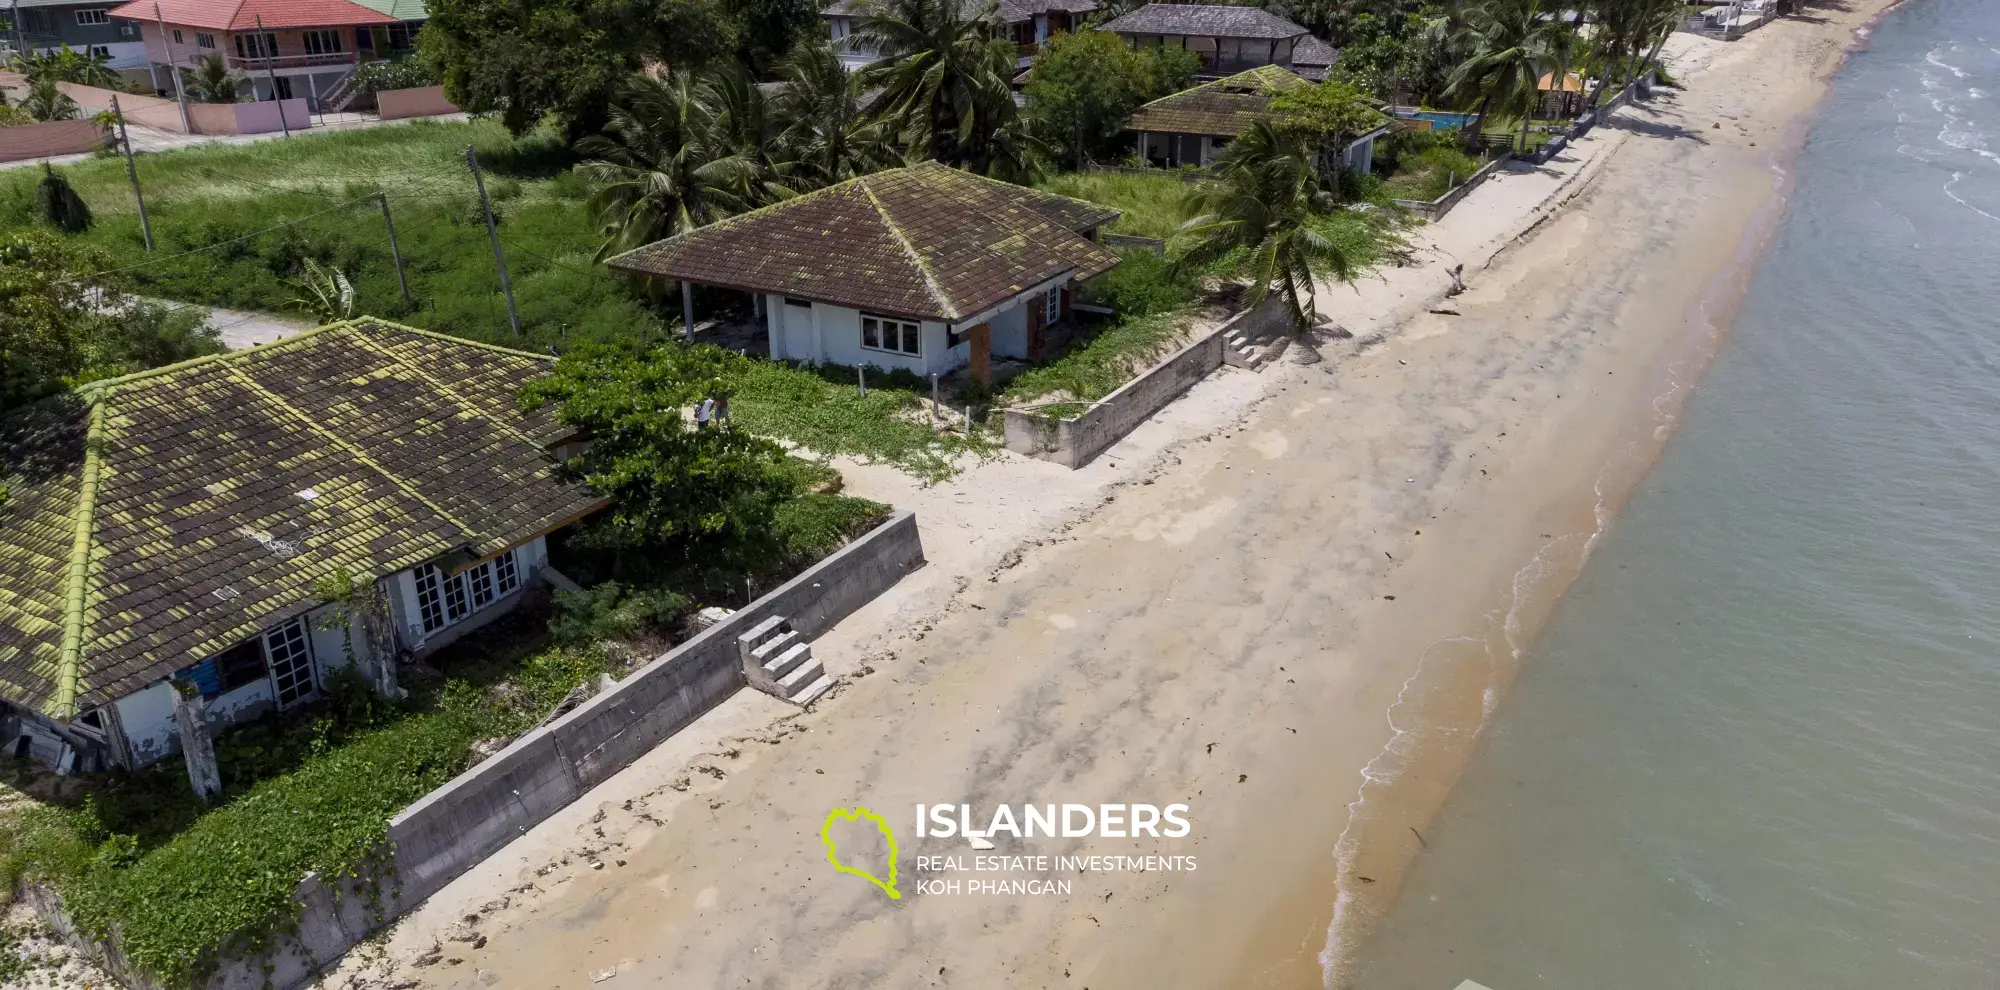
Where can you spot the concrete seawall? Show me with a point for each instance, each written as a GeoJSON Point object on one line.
{"type": "Point", "coordinates": [453, 828]}
{"type": "Point", "coordinates": [1076, 441]}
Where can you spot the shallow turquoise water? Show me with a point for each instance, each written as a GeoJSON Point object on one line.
{"type": "Point", "coordinates": [1759, 744]}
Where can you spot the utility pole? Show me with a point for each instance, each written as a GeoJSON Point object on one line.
{"type": "Point", "coordinates": [173, 68]}
{"type": "Point", "coordinates": [132, 170]}
{"type": "Point", "coordinates": [493, 234]}
{"type": "Point", "coordinates": [269, 43]}
{"type": "Point", "coordinates": [20, 39]}
{"type": "Point", "coordinates": [401, 279]}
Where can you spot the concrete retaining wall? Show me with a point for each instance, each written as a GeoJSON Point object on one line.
{"type": "Point", "coordinates": [456, 826]}
{"type": "Point", "coordinates": [1435, 210]}
{"type": "Point", "coordinates": [1076, 442]}
{"type": "Point", "coordinates": [47, 140]}
{"type": "Point", "coordinates": [248, 118]}
{"type": "Point", "coordinates": [423, 101]}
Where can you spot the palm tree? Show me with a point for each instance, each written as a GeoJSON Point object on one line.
{"type": "Point", "coordinates": [46, 102]}
{"type": "Point", "coordinates": [944, 75]}
{"type": "Point", "coordinates": [1511, 44]}
{"type": "Point", "coordinates": [212, 82]}
{"type": "Point", "coordinates": [324, 293]}
{"type": "Point", "coordinates": [66, 65]}
{"type": "Point", "coordinates": [662, 165]}
{"type": "Point", "coordinates": [1267, 203]}
{"type": "Point", "coordinates": [827, 133]}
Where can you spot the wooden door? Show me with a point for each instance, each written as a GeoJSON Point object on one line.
{"type": "Point", "coordinates": [982, 354]}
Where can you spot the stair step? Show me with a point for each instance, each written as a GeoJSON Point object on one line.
{"type": "Point", "coordinates": [759, 632]}
{"type": "Point", "coordinates": [802, 675]}
{"type": "Point", "coordinates": [814, 690]}
{"type": "Point", "coordinates": [784, 663]}
{"type": "Point", "coordinates": [774, 646]}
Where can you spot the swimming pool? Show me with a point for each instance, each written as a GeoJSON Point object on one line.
{"type": "Point", "coordinates": [1439, 119]}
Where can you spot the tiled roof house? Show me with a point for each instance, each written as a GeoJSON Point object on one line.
{"type": "Point", "coordinates": [280, 49]}
{"type": "Point", "coordinates": [1229, 39]}
{"type": "Point", "coordinates": [1027, 23]}
{"type": "Point", "coordinates": [1191, 127]}
{"type": "Point", "coordinates": [173, 524]}
{"type": "Point", "coordinates": [925, 268]}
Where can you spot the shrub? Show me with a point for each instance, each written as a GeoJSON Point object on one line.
{"type": "Point", "coordinates": [812, 525]}
{"type": "Point", "coordinates": [1142, 283]}
{"type": "Point", "coordinates": [612, 611]}
{"type": "Point", "coordinates": [396, 73]}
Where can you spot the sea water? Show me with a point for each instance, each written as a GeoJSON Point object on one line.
{"type": "Point", "coordinates": [1758, 745]}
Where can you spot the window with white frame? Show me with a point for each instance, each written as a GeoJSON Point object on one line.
{"type": "Point", "coordinates": [322, 42]}
{"type": "Point", "coordinates": [444, 599]}
{"type": "Point", "coordinates": [178, 40]}
{"type": "Point", "coordinates": [288, 649]}
{"type": "Point", "coordinates": [882, 333]}
{"type": "Point", "coordinates": [100, 51]}
{"type": "Point", "coordinates": [94, 15]}
{"type": "Point", "coordinates": [1052, 307]}
{"type": "Point", "coordinates": [204, 41]}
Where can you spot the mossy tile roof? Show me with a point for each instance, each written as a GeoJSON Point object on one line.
{"type": "Point", "coordinates": [1222, 108]}
{"type": "Point", "coordinates": [155, 519]}
{"type": "Point", "coordinates": [927, 241]}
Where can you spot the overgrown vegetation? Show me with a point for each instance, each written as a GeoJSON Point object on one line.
{"type": "Point", "coordinates": [179, 885]}
{"type": "Point", "coordinates": [219, 215]}
{"type": "Point", "coordinates": [1149, 205]}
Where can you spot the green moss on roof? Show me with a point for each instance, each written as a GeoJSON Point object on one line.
{"type": "Point", "coordinates": [158, 518]}
{"type": "Point", "coordinates": [1222, 108]}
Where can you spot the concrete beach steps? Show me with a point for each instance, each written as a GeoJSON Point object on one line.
{"type": "Point", "coordinates": [1252, 353]}
{"type": "Point", "coordinates": [778, 661]}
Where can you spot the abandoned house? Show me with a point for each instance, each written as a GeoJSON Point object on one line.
{"type": "Point", "coordinates": [163, 534]}
{"type": "Point", "coordinates": [1193, 126]}
{"type": "Point", "coordinates": [926, 268]}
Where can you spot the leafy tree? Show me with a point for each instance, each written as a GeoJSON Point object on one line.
{"type": "Point", "coordinates": [146, 334]}
{"type": "Point", "coordinates": [1512, 43]}
{"type": "Point", "coordinates": [60, 326]}
{"type": "Point", "coordinates": [1084, 87]}
{"type": "Point", "coordinates": [61, 206]}
{"type": "Point", "coordinates": [46, 102]}
{"type": "Point", "coordinates": [701, 501]}
{"type": "Point", "coordinates": [68, 65]}
{"type": "Point", "coordinates": [767, 31]}
{"type": "Point", "coordinates": [1327, 117]}
{"type": "Point", "coordinates": [212, 82]}
{"type": "Point", "coordinates": [828, 135]}
{"type": "Point", "coordinates": [527, 59]}
{"type": "Point", "coordinates": [1266, 213]}
{"type": "Point", "coordinates": [663, 165]}
{"type": "Point", "coordinates": [945, 78]}
{"type": "Point", "coordinates": [48, 328]}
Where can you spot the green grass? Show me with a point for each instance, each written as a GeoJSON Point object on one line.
{"type": "Point", "coordinates": [201, 200]}
{"type": "Point", "coordinates": [1152, 204]}
{"type": "Point", "coordinates": [1425, 175]}
{"type": "Point", "coordinates": [1099, 366]}
{"type": "Point", "coordinates": [822, 410]}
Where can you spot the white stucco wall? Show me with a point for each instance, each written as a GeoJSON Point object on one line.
{"type": "Point", "coordinates": [1010, 334]}
{"type": "Point", "coordinates": [529, 557]}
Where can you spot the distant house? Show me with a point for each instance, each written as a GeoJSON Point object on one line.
{"type": "Point", "coordinates": [169, 527]}
{"type": "Point", "coordinates": [1228, 39]}
{"type": "Point", "coordinates": [926, 269]}
{"type": "Point", "coordinates": [1026, 23]}
{"type": "Point", "coordinates": [1193, 126]}
{"type": "Point", "coordinates": [43, 25]}
{"type": "Point", "coordinates": [284, 49]}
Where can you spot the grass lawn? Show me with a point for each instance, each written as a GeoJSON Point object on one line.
{"type": "Point", "coordinates": [1151, 203]}
{"type": "Point", "coordinates": [201, 200]}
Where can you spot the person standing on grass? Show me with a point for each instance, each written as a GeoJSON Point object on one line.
{"type": "Point", "coordinates": [722, 409]}
{"type": "Point", "coordinates": [703, 412]}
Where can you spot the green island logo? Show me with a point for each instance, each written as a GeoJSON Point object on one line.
{"type": "Point", "coordinates": [833, 852]}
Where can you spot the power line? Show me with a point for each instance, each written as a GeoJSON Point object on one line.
{"type": "Point", "coordinates": [210, 247]}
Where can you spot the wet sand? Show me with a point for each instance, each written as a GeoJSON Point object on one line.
{"type": "Point", "coordinates": [1382, 533]}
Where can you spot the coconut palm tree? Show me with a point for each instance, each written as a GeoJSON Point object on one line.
{"type": "Point", "coordinates": [46, 102]}
{"type": "Point", "coordinates": [1267, 203]}
{"type": "Point", "coordinates": [1511, 43]}
{"type": "Point", "coordinates": [663, 165]}
{"type": "Point", "coordinates": [212, 82]}
{"type": "Point", "coordinates": [68, 65]}
{"type": "Point", "coordinates": [827, 133]}
{"type": "Point", "coordinates": [944, 76]}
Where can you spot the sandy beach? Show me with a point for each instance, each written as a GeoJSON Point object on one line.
{"type": "Point", "coordinates": [1289, 603]}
